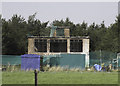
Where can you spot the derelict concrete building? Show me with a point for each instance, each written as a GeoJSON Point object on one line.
{"type": "Point", "coordinates": [59, 42]}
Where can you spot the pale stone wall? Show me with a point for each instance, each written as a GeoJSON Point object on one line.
{"type": "Point", "coordinates": [66, 32]}
{"type": "Point", "coordinates": [31, 48]}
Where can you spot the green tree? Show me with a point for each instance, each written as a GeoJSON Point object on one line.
{"type": "Point", "coordinates": [35, 27]}
{"type": "Point", "coordinates": [14, 35]}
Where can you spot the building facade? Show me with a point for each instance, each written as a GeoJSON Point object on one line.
{"type": "Point", "coordinates": [59, 42]}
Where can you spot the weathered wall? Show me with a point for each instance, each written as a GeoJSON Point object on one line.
{"type": "Point", "coordinates": [66, 32]}
{"type": "Point", "coordinates": [31, 47]}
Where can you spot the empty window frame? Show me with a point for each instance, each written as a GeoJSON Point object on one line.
{"type": "Point", "coordinates": [76, 45]}
{"type": "Point", "coordinates": [58, 45]}
{"type": "Point", "coordinates": [41, 45]}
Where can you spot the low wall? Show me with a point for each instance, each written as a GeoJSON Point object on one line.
{"type": "Point", "coordinates": [69, 60]}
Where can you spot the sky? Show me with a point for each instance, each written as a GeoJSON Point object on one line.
{"type": "Point", "coordinates": [76, 11]}
{"type": "Point", "coordinates": [119, 7]}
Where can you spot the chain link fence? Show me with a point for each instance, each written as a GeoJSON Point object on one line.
{"type": "Point", "coordinates": [99, 57]}
{"type": "Point", "coordinates": [96, 57]}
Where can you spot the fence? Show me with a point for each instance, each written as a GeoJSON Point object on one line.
{"type": "Point", "coordinates": [11, 59]}
{"type": "Point", "coordinates": [96, 57]}
{"type": "Point", "coordinates": [69, 61]}
{"type": "Point", "coordinates": [99, 57]}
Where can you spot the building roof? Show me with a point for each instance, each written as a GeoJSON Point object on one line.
{"type": "Point", "coordinates": [79, 37]}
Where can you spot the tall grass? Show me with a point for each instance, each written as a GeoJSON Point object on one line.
{"type": "Point", "coordinates": [60, 69]}
{"type": "Point", "coordinates": [11, 68]}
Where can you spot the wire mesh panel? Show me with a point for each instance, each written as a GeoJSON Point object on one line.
{"type": "Point", "coordinates": [99, 57]}
{"type": "Point", "coordinates": [73, 60]}
{"type": "Point", "coordinates": [30, 62]}
{"type": "Point", "coordinates": [11, 60]}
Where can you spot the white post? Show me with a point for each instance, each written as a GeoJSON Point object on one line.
{"type": "Point", "coordinates": [86, 51]}
{"type": "Point", "coordinates": [48, 45]}
{"type": "Point", "coordinates": [68, 45]}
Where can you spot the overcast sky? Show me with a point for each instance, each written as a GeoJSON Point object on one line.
{"type": "Point", "coordinates": [119, 7]}
{"type": "Point", "coordinates": [77, 11]}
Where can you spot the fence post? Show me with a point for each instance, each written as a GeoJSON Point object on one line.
{"type": "Point", "coordinates": [35, 71]}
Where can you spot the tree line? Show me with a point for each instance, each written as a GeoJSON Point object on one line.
{"type": "Point", "coordinates": [16, 30]}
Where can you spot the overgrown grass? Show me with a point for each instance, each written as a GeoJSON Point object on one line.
{"type": "Point", "coordinates": [58, 75]}
{"type": "Point", "coordinates": [65, 77]}
{"type": "Point", "coordinates": [11, 68]}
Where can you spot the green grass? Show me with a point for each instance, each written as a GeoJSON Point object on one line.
{"type": "Point", "coordinates": [23, 77]}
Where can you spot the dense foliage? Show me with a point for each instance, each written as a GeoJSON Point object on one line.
{"type": "Point", "coordinates": [16, 30]}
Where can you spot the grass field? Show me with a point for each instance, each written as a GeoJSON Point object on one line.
{"type": "Point", "coordinates": [66, 77]}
